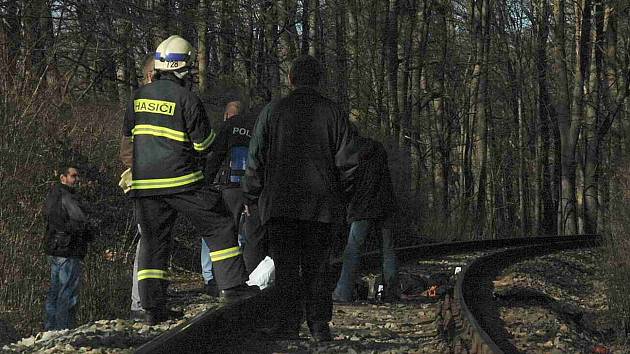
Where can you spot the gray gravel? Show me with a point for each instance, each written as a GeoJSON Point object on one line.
{"type": "Point", "coordinates": [568, 317]}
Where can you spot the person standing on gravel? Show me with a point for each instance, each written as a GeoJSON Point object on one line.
{"type": "Point", "coordinates": [227, 162]}
{"type": "Point", "coordinates": [372, 206]}
{"type": "Point", "coordinates": [171, 133]}
{"type": "Point", "coordinates": [295, 164]}
{"type": "Point", "coordinates": [67, 237]}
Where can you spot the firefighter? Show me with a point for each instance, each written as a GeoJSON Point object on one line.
{"type": "Point", "coordinates": [170, 132]}
{"type": "Point", "coordinates": [227, 162]}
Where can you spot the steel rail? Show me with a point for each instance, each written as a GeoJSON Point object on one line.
{"type": "Point", "coordinates": [222, 330]}
{"type": "Point", "coordinates": [473, 312]}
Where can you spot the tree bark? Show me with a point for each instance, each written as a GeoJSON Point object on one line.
{"type": "Point", "coordinates": [10, 38]}
{"type": "Point", "coordinates": [478, 106]}
{"type": "Point", "coordinates": [227, 40]}
{"type": "Point", "coordinates": [567, 126]}
{"type": "Point", "coordinates": [592, 123]}
{"type": "Point", "coordinates": [202, 45]}
{"type": "Point", "coordinates": [546, 220]}
{"type": "Point", "coordinates": [341, 54]}
{"type": "Point", "coordinates": [391, 55]}
{"type": "Point", "coordinates": [306, 27]}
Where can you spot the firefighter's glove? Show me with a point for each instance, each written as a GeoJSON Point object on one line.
{"type": "Point", "coordinates": [125, 180]}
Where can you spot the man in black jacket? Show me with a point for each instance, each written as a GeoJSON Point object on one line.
{"type": "Point", "coordinates": [295, 164]}
{"type": "Point", "coordinates": [372, 205]}
{"type": "Point", "coordinates": [67, 236]}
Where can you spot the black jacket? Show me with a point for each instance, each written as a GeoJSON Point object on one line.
{"type": "Point", "coordinates": [170, 132]}
{"type": "Point", "coordinates": [370, 185]}
{"type": "Point", "coordinates": [236, 131]}
{"type": "Point", "coordinates": [67, 227]}
{"type": "Point", "coordinates": [297, 158]}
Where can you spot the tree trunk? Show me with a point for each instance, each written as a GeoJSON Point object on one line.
{"type": "Point", "coordinates": [227, 42]}
{"type": "Point", "coordinates": [341, 53]}
{"type": "Point", "coordinates": [593, 121]}
{"type": "Point", "coordinates": [478, 106]}
{"type": "Point", "coordinates": [10, 38]}
{"type": "Point", "coordinates": [124, 62]}
{"type": "Point", "coordinates": [289, 32]}
{"type": "Point", "coordinates": [37, 29]}
{"type": "Point", "coordinates": [569, 128]}
{"type": "Point", "coordinates": [202, 47]}
{"type": "Point", "coordinates": [405, 97]}
{"type": "Point", "coordinates": [391, 55]}
{"type": "Point", "coordinates": [546, 224]}
{"type": "Point", "coordinates": [443, 123]}
{"type": "Point", "coordinates": [271, 37]}
{"type": "Point", "coordinates": [306, 27]}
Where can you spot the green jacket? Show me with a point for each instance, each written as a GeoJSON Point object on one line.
{"type": "Point", "coordinates": [298, 157]}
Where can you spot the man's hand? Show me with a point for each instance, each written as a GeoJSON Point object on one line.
{"type": "Point", "coordinates": [246, 211]}
{"type": "Point", "coordinates": [125, 180]}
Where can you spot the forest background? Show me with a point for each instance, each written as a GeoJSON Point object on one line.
{"type": "Point", "coordinates": [502, 118]}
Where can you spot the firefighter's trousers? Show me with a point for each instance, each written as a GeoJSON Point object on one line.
{"type": "Point", "coordinates": [203, 207]}
{"type": "Point", "coordinates": [254, 247]}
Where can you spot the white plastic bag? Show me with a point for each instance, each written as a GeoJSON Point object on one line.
{"type": "Point", "coordinates": [264, 274]}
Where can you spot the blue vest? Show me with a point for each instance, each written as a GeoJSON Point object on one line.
{"type": "Point", "coordinates": [238, 162]}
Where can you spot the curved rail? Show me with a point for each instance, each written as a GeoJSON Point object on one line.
{"type": "Point", "coordinates": [471, 317]}
{"type": "Point", "coordinates": [221, 330]}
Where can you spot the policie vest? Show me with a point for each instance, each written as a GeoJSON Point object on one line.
{"type": "Point", "coordinates": [230, 150]}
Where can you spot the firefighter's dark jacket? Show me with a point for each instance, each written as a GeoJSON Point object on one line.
{"type": "Point", "coordinates": [67, 227]}
{"type": "Point", "coordinates": [298, 157]}
{"type": "Point", "coordinates": [371, 194]}
{"type": "Point", "coordinates": [236, 131]}
{"type": "Point", "coordinates": [170, 131]}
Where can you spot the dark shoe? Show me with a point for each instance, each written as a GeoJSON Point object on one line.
{"type": "Point", "coordinates": [137, 315]}
{"type": "Point", "coordinates": [238, 293]}
{"type": "Point", "coordinates": [320, 331]}
{"type": "Point", "coordinates": [156, 316]}
{"type": "Point", "coordinates": [340, 300]}
{"type": "Point", "coordinates": [389, 296]}
{"type": "Point", "coordinates": [211, 288]}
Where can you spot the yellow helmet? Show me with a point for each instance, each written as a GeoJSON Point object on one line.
{"type": "Point", "coordinates": [174, 54]}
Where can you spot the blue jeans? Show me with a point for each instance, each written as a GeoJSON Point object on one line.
{"type": "Point", "coordinates": [63, 294]}
{"type": "Point", "coordinates": [206, 263]}
{"type": "Point", "coordinates": [359, 230]}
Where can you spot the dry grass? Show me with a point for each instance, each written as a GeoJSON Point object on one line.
{"type": "Point", "coordinates": [40, 133]}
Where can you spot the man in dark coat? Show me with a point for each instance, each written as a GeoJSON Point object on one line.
{"type": "Point", "coordinates": [372, 207]}
{"type": "Point", "coordinates": [67, 236]}
{"type": "Point", "coordinates": [295, 165]}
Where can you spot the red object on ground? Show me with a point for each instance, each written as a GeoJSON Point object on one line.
{"type": "Point", "coordinates": [600, 349]}
{"type": "Point", "coordinates": [432, 292]}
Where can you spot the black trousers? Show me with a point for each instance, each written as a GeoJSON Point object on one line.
{"type": "Point", "coordinates": [301, 254]}
{"type": "Point", "coordinates": [157, 215]}
{"type": "Point", "coordinates": [254, 249]}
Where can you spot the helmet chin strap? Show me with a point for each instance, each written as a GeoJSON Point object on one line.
{"type": "Point", "coordinates": [181, 74]}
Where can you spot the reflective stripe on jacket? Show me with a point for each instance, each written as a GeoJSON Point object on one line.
{"type": "Point", "coordinates": [170, 131]}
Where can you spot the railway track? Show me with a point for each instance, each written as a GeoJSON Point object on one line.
{"type": "Point", "coordinates": [467, 315]}
{"type": "Point", "coordinates": [471, 317]}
